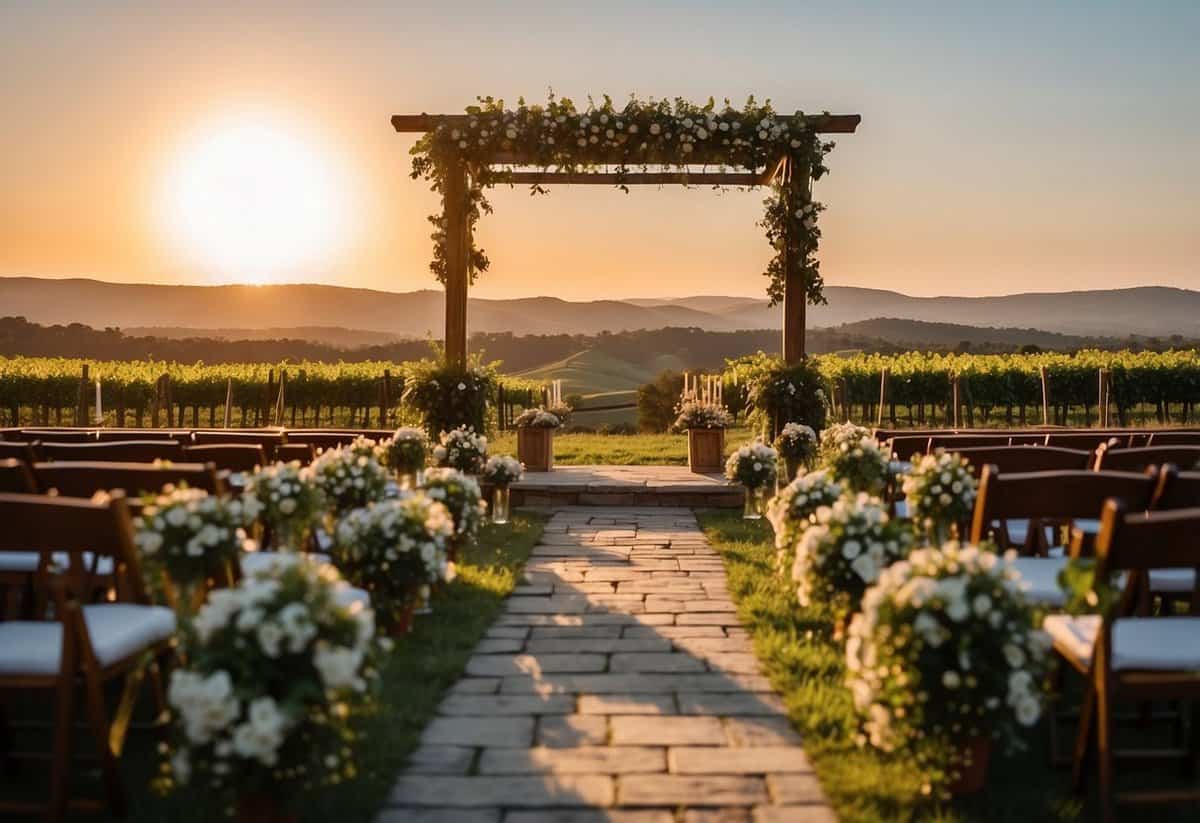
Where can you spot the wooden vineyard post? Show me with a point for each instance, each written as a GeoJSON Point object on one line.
{"type": "Point", "coordinates": [120, 418]}
{"type": "Point", "coordinates": [280, 399]}
{"type": "Point", "coordinates": [385, 398]}
{"type": "Point", "coordinates": [458, 260]}
{"type": "Point", "coordinates": [169, 401]}
{"type": "Point", "coordinates": [156, 403]}
{"type": "Point", "coordinates": [1103, 397]}
{"type": "Point", "coordinates": [883, 387]}
{"type": "Point", "coordinates": [955, 401]}
{"type": "Point", "coordinates": [1045, 396]}
{"type": "Point", "coordinates": [228, 402]}
{"type": "Point", "coordinates": [81, 403]}
{"type": "Point", "coordinates": [265, 414]}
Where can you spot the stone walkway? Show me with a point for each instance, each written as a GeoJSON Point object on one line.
{"type": "Point", "coordinates": [617, 686]}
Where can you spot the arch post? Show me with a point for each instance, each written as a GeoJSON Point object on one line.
{"type": "Point", "coordinates": [796, 179]}
{"type": "Point", "coordinates": [458, 261]}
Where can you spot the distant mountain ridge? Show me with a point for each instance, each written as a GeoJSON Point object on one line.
{"type": "Point", "coordinates": [1149, 311]}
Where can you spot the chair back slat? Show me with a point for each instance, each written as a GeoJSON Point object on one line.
{"type": "Point", "coordinates": [267, 440]}
{"type": "Point", "coordinates": [1148, 540]}
{"type": "Point", "coordinates": [1025, 458]}
{"type": "Point", "coordinates": [60, 435]}
{"type": "Point", "coordinates": [16, 477]}
{"type": "Point", "coordinates": [1055, 494]}
{"type": "Point", "coordinates": [1175, 438]}
{"type": "Point", "coordinates": [1090, 440]}
{"type": "Point", "coordinates": [110, 435]}
{"type": "Point", "coordinates": [304, 452]}
{"type": "Point", "coordinates": [324, 440]}
{"type": "Point", "coordinates": [83, 479]}
{"type": "Point", "coordinates": [235, 457]}
{"type": "Point", "coordinates": [24, 450]}
{"type": "Point", "coordinates": [1136, 460]}
{"type": "Point", "coordinates": [128, 451]}
{"type": "Point", "coordinates": [905, 446]}
{"type": "Point", "coordinates": [954, 442]}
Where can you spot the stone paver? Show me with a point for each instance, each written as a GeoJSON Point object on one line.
{"type": "Point", "coordinates": [617, 687]}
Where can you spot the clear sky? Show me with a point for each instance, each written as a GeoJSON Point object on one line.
{"type": "Point", "coordinates": [1017, 146]}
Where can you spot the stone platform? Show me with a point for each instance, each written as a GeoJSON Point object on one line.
{"type": "Point", "coordinates": [625, 486]}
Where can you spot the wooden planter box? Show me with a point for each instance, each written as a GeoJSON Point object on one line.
{"type": "Point", "coordinates": [535, 448]}
{"type": "Point", "coordinates": [706, 450]}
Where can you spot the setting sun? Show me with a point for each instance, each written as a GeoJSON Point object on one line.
{"type": "Point", "coordinates": [253, 201]}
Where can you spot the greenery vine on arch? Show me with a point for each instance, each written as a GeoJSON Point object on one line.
{"type": "Point", "coordinates": [674, 134]}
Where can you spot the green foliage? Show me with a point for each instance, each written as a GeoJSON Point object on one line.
{"type": "Point", "coordinates": [448, 396]}
{"type": "Point", "coordinates": [780, 394]}
{"type": "Point", "coordinates": [642, 133]}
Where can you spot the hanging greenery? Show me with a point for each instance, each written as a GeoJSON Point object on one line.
{"type": "Point", "coordinates": [674, 134]}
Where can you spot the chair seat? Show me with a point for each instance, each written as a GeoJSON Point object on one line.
{"type": "Point", "coordinates": [1139, 643]}
{"type": "Point", "coordinates": [19, 562]}
{"type": "Point", "coordinates": [255, 562]}
{"type": "Point", "coordinates": [116, 630]}
{"type": "Point", "coordinates": [1172, 581]}
{"type": "Point", "coordinates": [1039, 580]}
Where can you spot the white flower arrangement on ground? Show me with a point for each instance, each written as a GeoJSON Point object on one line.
{"type": "Point", "coordinates": [395, 549]}
{"type": "Point", "coordinates": [752, 465]}
{"type": "Point", "coordinates": [407, 450]}
{"type": "Point", "coordinates": [795, 507]}
{"type": "Point", "coordinates": [275, 668]}
{"type": "Point", "coordinates": [192, 535]}
{"type": "Point", "coordinates": [940, 491]}
{"type": "Point", "coordinates": [696, 415]}
{"type": "Point", "coordinates": [845, 551]}
{"type": "Point", "coordinates": [461, 496]}
{"type": "Point", "coordinates": [350, 477]}
{"type": "Point", "coordinates": [797, 443]}
{"type": "Point", "coordinates": [502, 470]}
{"type": "Point", "coordinates": [944, 652]}
{"type": "Point", "coordinates": [290, 502]}
{"type": "Point", "coordinates": [461, 449]}
{"type": "Point", "coordinates": [853, 456]}
{"type": "Point", "coordinates": [537, 419]}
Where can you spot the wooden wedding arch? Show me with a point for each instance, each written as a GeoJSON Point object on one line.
{"type": "Point", "coordinates": [796, 180]}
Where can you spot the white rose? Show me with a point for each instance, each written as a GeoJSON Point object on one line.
{"type": "Point", "coordinates": [951, 679]}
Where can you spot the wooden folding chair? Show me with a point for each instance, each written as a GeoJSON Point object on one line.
{"type": "Point", "coordinates": [907, 445]}
{"type": "Point", "coordinates": [126, 451]}
{"type": "Point", "coordinates": [85, 478]}
{"type": "Point", "coordinates": [1136, 460]}
{"type": "Point", "coordinates": [268, 440]}
{"type": "Point", "coordinates": [234, 457]}
{"type": "Point", "coordinates": [16, 568]}
{"type": "Point", "coordinates": [1014, 509]}
{"type": "Point", "coordinates": [84, 644]}
{"type": "Point", "coordinates": [303, 452]}
{"type": "Point", "coordinates": [1174, 438]}
{"type": "Point", "coordinates": [1090, 440]}
{"type": "Point", "coordinates": [1128, 655]}
{"type": "Point", "coordinates": [111, 435]}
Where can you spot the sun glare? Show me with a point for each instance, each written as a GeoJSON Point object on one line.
{"type": "Point", "coordinates": [254, 201]}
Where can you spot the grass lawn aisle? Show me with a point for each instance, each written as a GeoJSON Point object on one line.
{"type": "Point", "coordinates": [419, 670]}
{"type": "Point", "coordinates": [807, 668]}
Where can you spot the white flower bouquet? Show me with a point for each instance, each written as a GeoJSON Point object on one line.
{"type": "Point", "coordinates": [854, 458]}
{"type": "Point", "coordinates": [796, 444]}
{"type": "Point", "coordinates": [851, 543]}
{"type": "Point", "coordinates": [461, 496]}
{"type": "Point", "coordinates": [795, 507]}
{"type": "Point", "coordinates": [943, 655]}
{"type": "Point", "coordinates": [461, 449]}
{"type": "Point", "coordinates": [350, 477]}
{"type": "Point", "coordinates": [274, 669]}
{"type": "Point", "coordinates": [502, 470]}
{"type": "Point", "coordinates": [752, 465]}
{"type": "Point", "coordinates": [537, 419]}
{"type": "Point", "coordinates": [290, 503]}
{"type": "Point", "coordinates": [191, 536]}
{"type": "Point", "coordinates": [394, 549]}
{"type": "Point", "coordinates": [697, 415]}
{"type": "Point", "coordinates": [406, 450]}
{"type": "Point", "coordinates": [940, 491]}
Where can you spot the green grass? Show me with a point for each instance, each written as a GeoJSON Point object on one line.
{"type": "Point", "coordinates": [592, 371]}
{"type": "Point", "coordinates": [618, 449]}
{"type": "Point", "coordinates": [805, 666]}
{"type": "Point", "coordinates": [419, 670]}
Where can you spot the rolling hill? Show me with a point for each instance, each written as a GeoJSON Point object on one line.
{"type": "Point", "coordinates": [1150, 310]}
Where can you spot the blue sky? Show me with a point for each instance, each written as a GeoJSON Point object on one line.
{"type": "Point", "coordinates": [1004, 147]}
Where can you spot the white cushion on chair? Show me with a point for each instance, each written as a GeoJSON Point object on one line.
{"type": "Point", "coordinates": [117, 630]}
{"type": "Point", "coordinates": [1039, 579]}
{"type": "Point", "coordinates": [1172, 581]}
{"type": "Point", "coordinates": [255, 562]}
{"type": "Point", "coordinates": [19, 562]}
{"type": "Point", "coordinates": [1139, 643]}
{"type": "Point", "coordinates": [902, 509]}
